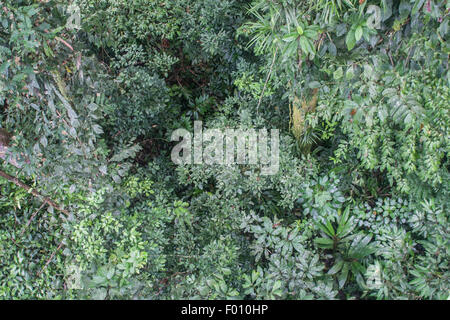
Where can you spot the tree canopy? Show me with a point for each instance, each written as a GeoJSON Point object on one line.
{"type": "Point", "coordinates": [93, 207]}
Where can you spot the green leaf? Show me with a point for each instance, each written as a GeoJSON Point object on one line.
{"type": "Point", "coordinates": [350, 40]}
{"type": "Point", "coordinates": [343, 225]}
{"type": "Point", "coordinates": [358, 33]}
{"type": "Point", "coordinates": [311, 34]}
{"type": "Point", "coordinates": [307, 46]}
{"type": "Point", "coordinates": [203, 290]}
{"type": "Point", "coordinates": [276, 285]}
{"type": "Point", "coordinates": [382, 113]}
{"type": "Point", "coordinates": [417, 5]}
{"type": "Point", "coordinates": [324, 243]}
{"type": "Point", "coordinates": [330, 228]}
{"type": "Point", "coordinates": [99, 294]}
{"type": "Point", "coordinates": [291, 49]}
{"type": "Point", "coordinates": [290, 37]}
{"type": "Point", "coordinates": [408, 119]}
{"type": "Point", "coordinates": [350, 73]}
{"type": "Point", "coordinates": [342, 278]}
{"type": "Point", "coordinates": [337, 267]}
{"type": "Point", "coordinates": [233, 293]}
{"type": "Point", "coordinates": [97, 129]}
{"type": "Point", "coordinates": [103, 169]}
{"type": "Point", "coordinates": [5, 65]}
{"type": "Point", "coordinates": [338, 74]}
{"type": "Point", "coordinates": [43, 141]}
{"type": "Point", "coordinates": [226, 271]}
{"type": "Point", "coordinates": [404, 8]}
{"type": "Point", "coordinates": [314, 84]}
{"type": "Point", "coordinates": [332, 49]}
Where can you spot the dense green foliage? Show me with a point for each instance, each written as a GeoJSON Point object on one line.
{"type": "Point", "coordinates": [92, 90]}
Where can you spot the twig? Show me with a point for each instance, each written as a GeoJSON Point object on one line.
{"type": "Point", "coordinates": [267, 80]}
{"type": "Point", "coordinates": [19, 183]}
{"type": "Point", "coordinates": [32, 217]}
{"type": "Point", "coordinates": [65, 43]}
{"type": "Point", "coordinates": [390, 57]}
{"type": "Point", "coordinates": [51, 258]}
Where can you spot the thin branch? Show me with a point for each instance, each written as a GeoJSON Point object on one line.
{"type": "Point", "coordinates": [65, 43]}
{"type": "Point", "coordinates": [32, 217]}
{"type": "Point", "coordinates": [267, 79]}
{"type": "Point", "coordinates": [19, 183]}
{"type": "Point", "coordinates": [51, 258]}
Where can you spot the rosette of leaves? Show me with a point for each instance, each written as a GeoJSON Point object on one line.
{"type": "Point", "coordinates": [348, 249]}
